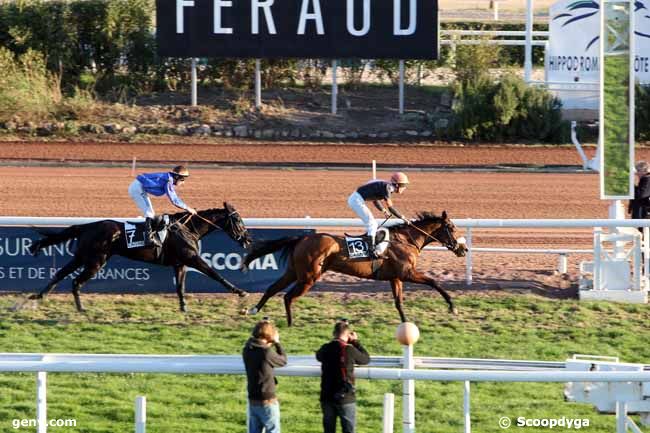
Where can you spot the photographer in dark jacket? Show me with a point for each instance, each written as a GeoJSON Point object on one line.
{"type": "Point", "coordinates": [262, 353]}
{"type": "Point", "coordinates": [337, 392]}
{"type": "Point", "coordinates": [640, 204]}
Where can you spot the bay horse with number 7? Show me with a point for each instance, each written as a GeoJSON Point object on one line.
{"type": "Point", "coordinates": [310, 256]}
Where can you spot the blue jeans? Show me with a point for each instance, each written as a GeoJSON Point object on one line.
{"type": "Point", "coordinates": [264, 417]}
{"type": "Point", "coordinates": [347, 413]}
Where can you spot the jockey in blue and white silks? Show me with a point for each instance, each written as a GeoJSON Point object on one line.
{"type": "Point", "coordinates": [377, 191]}
{"type": "Point", "coordinates": [158, 184]}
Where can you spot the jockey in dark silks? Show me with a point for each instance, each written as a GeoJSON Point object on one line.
{"type": "Point", "coordinates": [379, 192]}
{"type": "Point", "coordinates": [158, 184]}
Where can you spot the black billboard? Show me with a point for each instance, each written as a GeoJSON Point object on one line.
{"type": "Point", "coordinates": [370, 29]}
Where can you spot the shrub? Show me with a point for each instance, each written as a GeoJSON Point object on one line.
{"type": "Point", "coordinates": [26, 87]}
{"type": "Point", "coordinates": [507, 110]}
{"type": "Point", "coordinates": [642, 112]}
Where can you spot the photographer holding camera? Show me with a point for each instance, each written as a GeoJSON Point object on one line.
{"type": "Point", "coordinates": [262, 353]}
{"type": "Point", "coordinates": [337, 392]}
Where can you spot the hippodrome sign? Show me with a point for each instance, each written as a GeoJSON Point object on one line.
{"type": "Point", "coordinates": [397, 29]}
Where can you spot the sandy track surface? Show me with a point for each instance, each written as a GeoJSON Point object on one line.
{"type": "Point", "coordinates": [265, 152]}
{"type": "Point", "coordinates": [75, 191]}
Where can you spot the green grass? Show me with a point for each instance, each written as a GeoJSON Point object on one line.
{"type": "Point", "coordinates": [503, 326]}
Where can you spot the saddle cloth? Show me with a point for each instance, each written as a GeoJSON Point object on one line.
{"type": "Point", "coordinates": [136, 233]}
{"type": "Point", "coordinates": [358, 245]}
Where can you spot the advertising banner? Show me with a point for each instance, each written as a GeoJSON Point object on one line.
{"type": "Point", "coordinates": [20, 271]}
{"type": "Point", "coordinates": [369, 29]}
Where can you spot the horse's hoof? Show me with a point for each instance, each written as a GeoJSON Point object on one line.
{"type": "Point", "coordinates": [454, 311]}
{"type": "Point", "coordinates": [183, 310]}
{"type": "Point", "coordinates": [242, 294]}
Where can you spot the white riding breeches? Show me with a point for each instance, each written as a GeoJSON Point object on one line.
{"type": "Point", "coordinates": [141, 198]}
{"type": "Point", "coordinates": [358, 205]}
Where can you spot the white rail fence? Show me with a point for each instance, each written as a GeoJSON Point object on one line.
{"type": "Point", "coordinates": [470, 225]}
{"type": "Point", "coordinates": [305, 366]}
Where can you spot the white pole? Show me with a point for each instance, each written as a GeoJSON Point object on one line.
{"type": "Point", "coordinates": [140, 414]}
{"type": "Point", "coordinates": [617, 211]}
{"type": "Point", "coordinates": [389, 412]}
{"type": "Point", "coordinates": [495, 6]}
{"type": "Point", "coordinates": [133, 167]}
{"type": "Point", "coordinates": [468, 256]}
{"type": "Point", "coordinates": [528, 53]}
{"type": "Point", "coordinates": [636, 259]}
{"type": "Point", "coordinates": [258, 84]}
{"type": "Point", "coordinates": [335, 89]}
{"type": "Point", "coordinates": [646, 257]}
{"type": "Point", "coordinates": [401, 87]}
{"type": "Point", "coordinates": [597, 258]}
{"type": "Point", "coordinates": [193, 82]}
{"type": "Point", "coordinates": [408, 394]}
{"type": "Point", "coordinates": [621, 417]}
{"type": "Point", "coordinates": [374, 169]}
{"type": "Point", "coordinates": [41, 401]}
{"type": "Point", "coordinates": [466, 408]}
{"type": "Point", "coordinates": [563, 264]}
{"type": "Point", "coordinates": [248, 415]}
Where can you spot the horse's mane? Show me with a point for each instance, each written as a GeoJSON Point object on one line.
{"type": "Point", "coordinates": [177, 215]}
{"type": "Point", "coordinates": [423, 216]}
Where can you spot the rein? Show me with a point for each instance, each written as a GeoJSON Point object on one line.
{"type": "Point", "coordinates": [413, 242]}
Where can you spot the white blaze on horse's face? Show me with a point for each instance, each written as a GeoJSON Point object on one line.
{"type": "Point", "coordinates": [461, 240]}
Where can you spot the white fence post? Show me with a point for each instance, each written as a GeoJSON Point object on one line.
{"type": "Point", "coordinates": [468, 256]}
{"type": "Point", "coordinates": [563, 264]}
{"type": "Point", "coordinates": [401, 87]}
{"type": "Point", "coordinates": [41, 402]}
{"type": "Point", "coordinates": [335, 86]}
{"type": "Point", "coordinates": [258, 84]}
{"type": "Point", "coordinates": [374, 169]}
{"type": "Point", "coordinates": [528, 52]}
{"type": "Point", "coordinates": [466, 407]}
{"type": "Point", "coordinates": [408, 393]}
{"type": "Point", "coordinates": [388, 419]}
{"type": "Point", "coordinates": [621, 417]}
{"type": "Point", "coordinates": [133, 167]}
{"type": "Point", "coordinates": [141, 414]}
{"type": "Point", "coordinates": [194, 79]}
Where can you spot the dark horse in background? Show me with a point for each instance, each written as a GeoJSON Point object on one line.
{"type": "Point", "coordinates": [98, 241]}
{"type": "Point", "coordinates": [312, 255]}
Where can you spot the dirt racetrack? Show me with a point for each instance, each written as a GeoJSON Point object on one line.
{"type": "Point", "coordinates": [102, 192]}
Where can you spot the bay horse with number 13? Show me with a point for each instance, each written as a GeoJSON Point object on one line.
{"type": "Point", "coordinates": [310, 256]}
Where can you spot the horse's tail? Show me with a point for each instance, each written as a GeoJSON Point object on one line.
{"type": "Point", "coordinates": [260, 249]}
{"type": "Point", "coordinates": [53, 237]}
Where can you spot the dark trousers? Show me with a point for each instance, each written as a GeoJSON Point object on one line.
{"type": "Point", "coordinates": [347, 413]}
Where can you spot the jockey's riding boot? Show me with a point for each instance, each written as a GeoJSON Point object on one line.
{"type": "Point", "coordinates": [151, 236]}
{"type": "Point", "coordinates": [372, 247]}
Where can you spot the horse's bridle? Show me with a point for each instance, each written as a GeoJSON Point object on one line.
{"type": "Point", "coordinates": [451, 245]}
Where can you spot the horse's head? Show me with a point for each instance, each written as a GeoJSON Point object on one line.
{"type": "Point", "coordinates": [234, 226]}
{"type": "Point", "coordinates": [445, 233]}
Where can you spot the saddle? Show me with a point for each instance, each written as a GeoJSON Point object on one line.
{"type": "Point", "coordinates": [359, 246]}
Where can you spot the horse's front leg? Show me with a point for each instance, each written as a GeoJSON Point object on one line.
{"type": "Point", "coordinates": [398, 297]}
{"type": "Point", "coordinates": [181, 273]}
{"type": "Point", "coordinates": [197, 263]}
{"type": "Point", "coordinates": [420, 278]}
